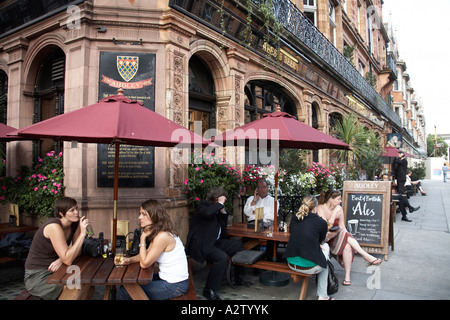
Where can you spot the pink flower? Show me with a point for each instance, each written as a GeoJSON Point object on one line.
{"type": "Point", "coordinates": [54, 170]}
{"type": "Point", "coordinates": [36, 189]}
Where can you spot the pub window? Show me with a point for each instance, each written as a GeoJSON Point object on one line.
{"type": "Point", "coordinates": [265, 97]}
{"type": "Point", "coordinates": [310, 10]}
{"type": "Point", "coordinates": [49, 98]}
{"type": "Point", "coordinates": [202, 98]}
{"type": "Point", "coordinates": [3, 105]}
{"type": "Point", "coordinates": [332, 18]}
{"type": "Point", "coordinates": [315, 125]}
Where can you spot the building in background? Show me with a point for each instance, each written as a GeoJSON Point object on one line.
{"type": "Point", "coordinates": [214, 65]}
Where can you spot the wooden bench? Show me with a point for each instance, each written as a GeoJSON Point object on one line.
{"type": "Point", "coordinates": [190, 294]}
{"type": "Point", "coordinates": [25, 295]}
{"type": "Point", "coordinates": [284, 268]}
{"type": "Point", "coordinates": [6, 259]}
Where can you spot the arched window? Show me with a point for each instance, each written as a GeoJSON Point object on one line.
{"type": "Point", "coordinates": [315, 125]}
{"type": "Point", "coordinates": [3, 109]}
{"type": "Point", "coordinates": [202, 97]}
{"type": "Point", "coordinates": [264, 97]}
{"type": "Point", "coordinates": [49, 98]}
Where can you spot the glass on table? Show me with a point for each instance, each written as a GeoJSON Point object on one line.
{"type": "Point", "coordinates": [118, 258]}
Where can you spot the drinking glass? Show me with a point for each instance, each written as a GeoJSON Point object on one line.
{"type": "Point", "coordinates": [118, 258]}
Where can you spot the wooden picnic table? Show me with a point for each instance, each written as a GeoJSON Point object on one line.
{"type": "Point", "coordinates": [240, 230]}
{"type": "Point", "coordinates": [271, 278]}
{"type": "Point", "coordinates": [101, 272]}
{"type": "Point", "coordinates": [6, 228]}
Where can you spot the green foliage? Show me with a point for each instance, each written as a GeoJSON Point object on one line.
{"type": "Point", "coordinates": [207, 171]}
{"type": "Point", "coordinates": [11, 188]}
{"type": "Point", "coordinates": [35, 191]}
{"type": "Point", "coordinates": [418, 171]}
{"type": "Point", "coordinates": [441, 151]}
{"type": "Point", "coordinates": [366, 148]}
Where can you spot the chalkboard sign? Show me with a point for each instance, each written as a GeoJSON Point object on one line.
{"type": "Point", "coordinates": [366, 207]}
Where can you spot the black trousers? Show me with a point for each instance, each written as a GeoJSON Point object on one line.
{"type": "Point", "coordinates": [403, 203]}
{"type": "Point", "coordinates": [401, 186]}
{"type": "Point", "coordinates": [218, 258]}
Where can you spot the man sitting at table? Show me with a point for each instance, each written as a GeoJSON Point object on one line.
{"type": "Point", "coordinates": [261, 199]}
{"type": "Point", "coordinates": [206, 240]}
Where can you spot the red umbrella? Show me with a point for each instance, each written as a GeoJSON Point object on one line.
{"type": "Point", "coordinates": [285, 130]}
{"type": "Point", "coordinates": [8, 133]}
{"type": "Point", "coordinates": [392, 152]}
{"type": "Point", "coordinates": [119, 120]}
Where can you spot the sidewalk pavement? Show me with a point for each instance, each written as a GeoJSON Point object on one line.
{"type": "Point", "coordinates": [417, 269]}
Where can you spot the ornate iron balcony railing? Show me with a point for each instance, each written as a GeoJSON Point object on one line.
{"type": "Point", "coordinates": [294, 21]}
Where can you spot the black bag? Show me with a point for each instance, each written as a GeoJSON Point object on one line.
{"type": "Point", "coordinates": [333, 284]}
{"type": "Point", "coordinates": [92, 247]}
{"type": "Point", "coordinates": [247, 256]}
{"type": "Point", "coordinates": [134, 250]}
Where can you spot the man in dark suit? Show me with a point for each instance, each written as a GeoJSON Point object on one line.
{"type": "Point", "coordinates": [205, 240]}
{"type": "Point", "coordinates": [400, 167]}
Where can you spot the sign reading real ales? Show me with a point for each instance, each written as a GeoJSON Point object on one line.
{"type": "Point", "coordinates": [366, 207]}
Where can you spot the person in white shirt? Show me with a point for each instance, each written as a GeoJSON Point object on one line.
{"type": "Point", "coordinates": [261, 198]}
{"type": "Point", "coordinates": [409, 183]}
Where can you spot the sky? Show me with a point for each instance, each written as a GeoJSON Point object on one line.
{"type": "Point", "coordinates": [423, 36]}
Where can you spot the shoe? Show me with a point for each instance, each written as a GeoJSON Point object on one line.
{"type": "Point", "coordinates": [412, 209]}
{"type": "Point", "coordinates": [240, 282]}
{"type": "Point", "coordinates": [346, 283]}
{"type": "Point", "coordinates": [375, 262]}
{"type": "Point", "coordinates": [406, 219]}
{"type": "Point", "coordinates": [210, 294]}
{"type": "Point", "coordinates": [424, 193]}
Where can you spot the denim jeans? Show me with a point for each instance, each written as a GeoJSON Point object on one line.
{"type": "Point", "coordinates": [158, 289]}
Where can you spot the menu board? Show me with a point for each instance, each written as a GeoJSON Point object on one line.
{"type": "Point", "coordinates": [366, 207]}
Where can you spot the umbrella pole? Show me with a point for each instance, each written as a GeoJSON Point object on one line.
{"type": "Point", "coordinates": [275, 213]}
{"type": "Point", "coordinates": [116, 189]}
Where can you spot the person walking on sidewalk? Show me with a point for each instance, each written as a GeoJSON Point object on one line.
{"type": "Point", "coordinates": [444, 171]}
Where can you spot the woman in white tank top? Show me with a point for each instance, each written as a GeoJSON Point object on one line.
{"type": "Point", "coordinates": [166, 248]}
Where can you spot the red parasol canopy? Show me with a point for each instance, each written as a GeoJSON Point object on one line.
{"type": "Point", "coordinates": [8, 133]}
{"type": "Point", "coordinates": [119, 120]}
{"type": "Point", "coordinates": [286, 130]}
{"type": "Point", "coordinates": [392, 152]}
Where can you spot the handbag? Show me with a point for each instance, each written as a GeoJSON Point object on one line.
{"type": "Point", "coordinates": [92, 247]}
{"type": "Point", "coordinates": [333, 284]}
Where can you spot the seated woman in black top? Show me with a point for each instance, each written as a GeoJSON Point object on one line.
{"type": "Point", "coordinates": [304, 252]}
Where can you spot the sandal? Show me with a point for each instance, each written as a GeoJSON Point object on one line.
{"type": "Point", "coordinates": [346, 283]}
{"type": "Point", "coordinates": [375, 262]}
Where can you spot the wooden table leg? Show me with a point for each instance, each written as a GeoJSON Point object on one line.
{"type": "Point", "coordinates": [135, 291]}
{"type": "Point", "coordinates": [84, 293]}
{"type": "Point", "coordinates": [107, 292]}
{"type": "Point", "coordinates": [304, 288]}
